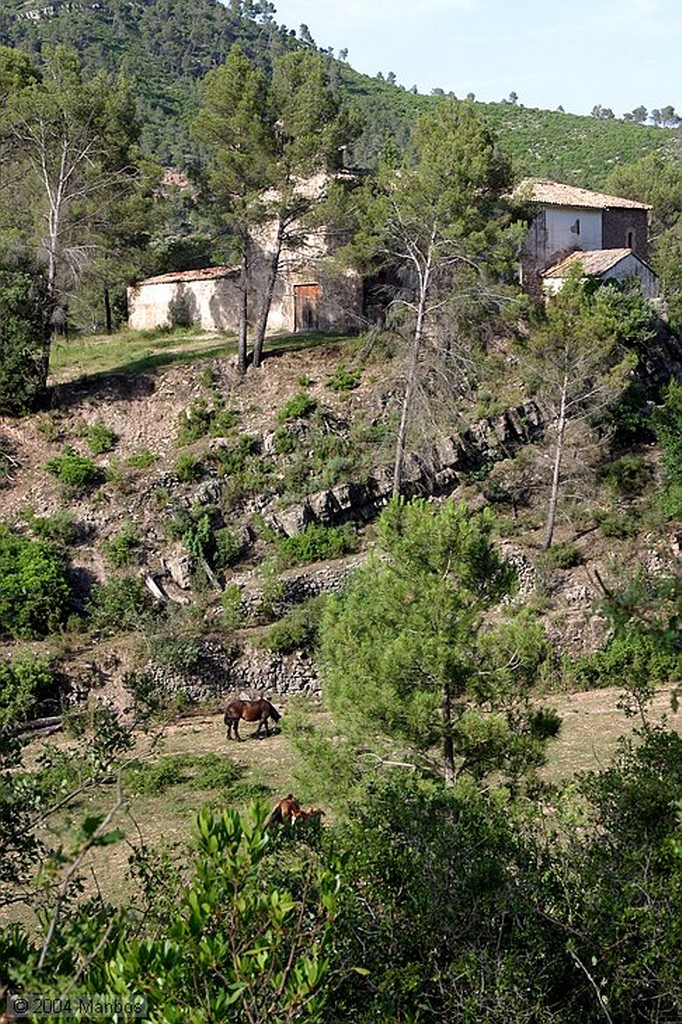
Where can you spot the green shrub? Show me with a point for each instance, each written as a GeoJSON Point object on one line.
{"type": "Point", "coordinates": [667, 424]}
{"type": "Point", "coordinates": [285, 442]}
{"type": "Point", "coordinates": [245, 470]}
{"type": "Point", "coordinates": [214, 771]}
{"type": "Point", "coordinates": [239, 457]}
{"type": "Point", "coordinates": [613, 524]}
{"type": "Point", "coordinates": [25, 329]}
{"type": "Point", "coordinates": [298, 629]}
{"type": "Point", "coordinates": [189, 469]}
{"type": "Point", "coordinates": [628, 476]}
{"type": "Point", "coordinates": [176, 653]}
{"type": "Point", "coordinates": [60, 528]}
{"type": "Point", "coordinates": [34, 592]}
{"type": "Point", "coordinates": [202, 421]}
{"type": "Point", "coordinates": [121, 549]}
{"type": "Point", "coordinates": [231, 600]}
{"type": "Point", "coordinates": [100, 438]}
{"type": "Point", "coordinates": [344, 379]}
{"type": "Point", "coordinates": [158, 777]}
{"type": "Point", "coordinates": [316, 544]}
{"type": "Point", "coordinates": [226, 548]}
{"type": "Point", "coordinates": [560, 556]}
{"type": "Point", "coordinates": [297, 407]}
{"type": "Point", "coordinates": [75, 472]}
{"type": "Point", "coordinates": [206, 771]}
{"type": "Point", "coordinates": [24, 682]}
{"type": "Point", "coordinates": [626, 658]}
{"type": "Point", "coordinates": [194, 422]}
{"type": "Point", "coordinates": [120, 605]}
{"type": "Point", "coordinates": [142, 459]}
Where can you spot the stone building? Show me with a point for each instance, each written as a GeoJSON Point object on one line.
{"type": "Point", "coordinates": [576, 220]}
{"type": "Point", "coordinates": [311, 292]}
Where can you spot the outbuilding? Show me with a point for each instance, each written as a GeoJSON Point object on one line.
{"type": "Point", "coordinates": [604, 264]}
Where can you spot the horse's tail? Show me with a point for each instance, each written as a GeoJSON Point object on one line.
{"type": "Point", "coordinates": [274, 713]}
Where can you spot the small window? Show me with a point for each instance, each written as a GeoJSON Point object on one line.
{"type": "Point", "coordinates": [630, 240]}
{"type": "Point", "coordinates": [575, 229]}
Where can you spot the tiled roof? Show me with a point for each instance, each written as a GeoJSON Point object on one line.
{"type": "Point", "coordinates": [553, 193]}
{"type": "Point", "coordinates": [593, 261]}
{"type": "Point", "coordinates": [204, 274]}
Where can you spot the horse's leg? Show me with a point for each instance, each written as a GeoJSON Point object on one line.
{"type": "Point", "coordinates": [236, 730]}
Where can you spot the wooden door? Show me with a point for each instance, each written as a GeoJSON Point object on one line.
{"type": "Point", "coordinates": [306, 300]}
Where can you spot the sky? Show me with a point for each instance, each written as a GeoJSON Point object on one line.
{"type": "Point", "coordinates": [619, 54]}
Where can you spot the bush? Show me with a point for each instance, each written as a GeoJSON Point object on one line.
{"type": "Point", "coordinates": [189, 469]}
{"type": "Point", "coordinates": [667, 424]}
{"type": "Point", "coordinates": [628, 657]}
{"type": "Point", "coordinates": [207, 771]}
{"type": "Point", "coordinates": [226, 548]}
{"type": "Point", "coordinates": [176, 653]}
{"type": "Point", "coordinates": [35, 594]}
{"type": "Point", "coordinates": [298, 407]}
{"type": "Point", "coordinates": [201, 421]}
{"type": "Point", "coordinates": [75, 472]}
{"type": "Point", "coordinates": [24, 332]}
{"type": "Point", "coordinates": [316, 544]}
{"type": "Point", "coordinates": [158, 777]}
{"type": "Point", "coordinates": [628, 476]}
{"type": "Point", "coordinates": [120, 605]}
{"type": "Point", "coordinates": [141, 460]}
{"type": "Point", "coordinates": [60, 528]}
{"type": "Point", "coordinates": [344, 379]}
{"type": "Point", "coordinates": [560, 556]}
{"type": "Point", "coordinates": [612, 524]}
{"type": "Point", "coordinates": [24, 682]}
{"type": "Point", "coordinates": [100, 438]}
{"type": "Point", "coordinates": [298, 630]}
{"type": "Point", "coordinates": [246, 471]}
{"type": "Point", "coordinates": [120, 550]}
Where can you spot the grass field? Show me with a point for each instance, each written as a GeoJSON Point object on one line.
{"type": "Point", "coordinates": [192, 765]}
{"type": "Point", "coordinates": [132, 352]}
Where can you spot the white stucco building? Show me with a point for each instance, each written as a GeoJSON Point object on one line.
{"type": "Point", "coordinates": [607, 264]}
{"type": "Point", "coordinates": [571, 220]}
{"type": "Point", "coordinates": [310, 294]}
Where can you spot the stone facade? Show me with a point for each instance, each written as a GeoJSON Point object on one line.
{"type": "Point", "coordinates": [627, 228]}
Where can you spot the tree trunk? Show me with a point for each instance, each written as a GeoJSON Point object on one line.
{"type": "Point", "coordinates": [556, 475]}
{"type": "Point", "coordinates": [107, 312]}
{"type": "Point", "coordinates": [411, 382]}
{"type": "Point", "coordinates": [448, 742]}
{"type": "Point", "coordinates": [243, 311]}
{"type": "Point", "coordinates": [268, 292]}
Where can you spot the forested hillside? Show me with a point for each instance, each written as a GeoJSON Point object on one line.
{"type": "Point", "coordinates": [167, 47]}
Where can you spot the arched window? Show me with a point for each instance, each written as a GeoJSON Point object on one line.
{"type": "Point", "coordinates": [630, 239]}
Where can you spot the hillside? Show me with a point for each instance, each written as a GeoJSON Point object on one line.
{"type": "Point", "coordinates": [174, 533]}
{"type": "Point", "coordinates": [166, 48]}
{"type": "Point", "coordinates": [201, 477]}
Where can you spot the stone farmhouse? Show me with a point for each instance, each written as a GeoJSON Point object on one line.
{"type": "Point", "coordinates": [606, 235]}
{"type": "Point", "coordinates": [311, 292]}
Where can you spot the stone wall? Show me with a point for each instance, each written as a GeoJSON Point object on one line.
{"type": "Point", "coordinates": [615, 227]}
{"type": "Point", "coordinates": [222, 670]}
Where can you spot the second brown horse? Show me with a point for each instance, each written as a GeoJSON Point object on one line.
{"type": "Point", "coordinates": [260, 711]}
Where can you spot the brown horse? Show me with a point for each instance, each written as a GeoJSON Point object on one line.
{"type": "Point", "coordinates": [260, 711]}
{"type": "Point", "coordinates": [289, 812]}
